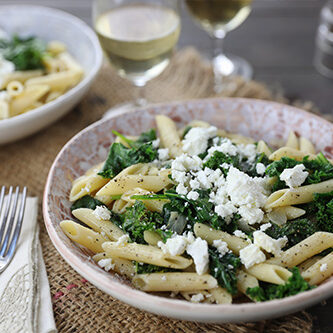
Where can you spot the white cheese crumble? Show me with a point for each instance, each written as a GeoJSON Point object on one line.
{"type": "Point", "coordinates": [175, 245]}
{"type": "Point", "coordinates": [196, 140]}
{"type": "Point", "coordinates": [163, 154]}
{"type": "Point", "coordinates": [323, 267]}
{"type": "Point", "coordinates": [295, 176]}
{"type": "Point", "coordinates": [156, 143]}
{"type": "Point", "coordinates": [251, 255]}
{"type": "Point", "coordinates": [260, 168]}
{"type": "Point", "coordinates": [6, 67]}
{"type": "Point", "coordinates": [122, 240]}
{"type": "Point", "coordinates": [197, 298]}
{"type": "Point", "coordinates": [265, 226]}
{"type": "Point", "coordinates": [106, 264]}
{"type": "Point", "coordinates": [221, 246]}
{"type": "Point", "coordinates": [268, 243]}
{"type": "Point", "coordinates": [193, 195]}
{"type": "Point", "coordinates": [163, 278]}
{"type": "Point", "coordinates": [198, 250]}
{"type": "Point", "coordinates": [240, 234]}
{"type": "Point", "coordinates": [102, 213]}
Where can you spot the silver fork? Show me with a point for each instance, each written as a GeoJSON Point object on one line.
{"type": "Point", "coordinates": [12, 217]}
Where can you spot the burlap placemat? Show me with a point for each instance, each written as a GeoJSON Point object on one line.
{"type": "Point", "coordinates": [78, 305]}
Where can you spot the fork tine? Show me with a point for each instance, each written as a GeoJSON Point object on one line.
{"type": "Point", "coordinates": [5, 216]}
{"type": "Point", "coordinates": [2, 196]}
{"type": "Point", "coordinates": [10, 225]}
{"type": "Point", "coordinates": [18, 227]}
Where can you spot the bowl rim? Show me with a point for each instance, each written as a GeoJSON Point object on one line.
{"type": "Point", "coordinates": [67, 96]}
{"type": "Point", "coordinates": [174, 308]}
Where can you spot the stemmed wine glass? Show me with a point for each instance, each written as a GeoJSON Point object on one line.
{"type": "Point", "coordinates": [138, 37]}
{"type": "Point", "coordinates": [218, 17]}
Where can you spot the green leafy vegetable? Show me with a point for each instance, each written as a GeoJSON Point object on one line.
{"type": "Point", "coordinates": [142, 268]}
{"type": "Point", "coordinates": [200, 210]}
{"type": "Point", "coordinates": [224, 269]}
{"type": "Point", "coordinates": [320, 169]}
{"type": "Point", "coordinates": [138, 218]}
{"type": "Point", "coordinates": [87, 202]}
{"type": "Point", "coordinates": [295, 230]}
{"type": "Point", "coordinates": [147, 136]}
{"type": "Point", "coordinates": [324, 210]}
{"type": "Point", "coordinates": [293, 286]}
{"type": "Point", "coordinates": [121, 157]}
{"type": "Point", "coordinates": [25, 53]}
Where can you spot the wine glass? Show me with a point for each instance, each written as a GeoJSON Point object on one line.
{"type": "Point", "coordinates": [218, 17]}
{"type": "Point", "coordinates": [138, 37]}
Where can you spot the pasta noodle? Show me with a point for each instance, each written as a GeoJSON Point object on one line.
{"type": "Point", "coordinates": [174, 282]}
{"type": "Point", "coordinates": [207, 226]}
{"type": "Point", "coordinates": [27, 89]}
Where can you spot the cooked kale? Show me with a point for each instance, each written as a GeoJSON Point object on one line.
{"type": "Point", "coordinates": [25, 53]}
{"type": "Point", "coordinates": [323, 203]}
{"type": "Point", "coordinates": [295, 230]}
{"type": "Point", "coordinates": [138, 218]}
{"type": "Point", "coordinates": [121, 157]}
{"type": "Point", "coordinates": [147, 136]}
{"type": "Point", "coordinates": [293, 286]}
{"type": "Point", "coordinates": [142, 268]}
{"type": "Point", "coordinates": [224, 269]}
{"type": "Point", "coordinates": [320, 169]}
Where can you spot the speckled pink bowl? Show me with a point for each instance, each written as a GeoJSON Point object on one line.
{"type": "Point", "coordinates": [258, 119]}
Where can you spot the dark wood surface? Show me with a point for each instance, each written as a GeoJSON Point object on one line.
{"type": "Point", "coordinates": [278, 39]}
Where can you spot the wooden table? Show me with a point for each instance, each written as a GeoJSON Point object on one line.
{"type": "Point", "coordinates": [278, 39]}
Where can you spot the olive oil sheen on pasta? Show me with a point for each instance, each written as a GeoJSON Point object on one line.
{"type": "Point", "coordinates": [138, 39]}
{"type": "Point", "coordinates": [214, 15]}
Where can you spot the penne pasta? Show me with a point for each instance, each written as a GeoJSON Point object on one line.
{"type": "Point", "coordinates": [270, 273]}
{"type": "Point", "coordinates": [120, 266]}
{"type": "Point", "coordinates": [280, 215]}
{"type": "Point", "coordinates": [296, 196]}
{"type": "Point", "coordinates": [292, 141]}
{"type": "Point", "coordinates": [88, 238]}
{"type": "Point", "coordinates": [263, 148]}
{"type": "Point", "coordinates": [304, 250]}
{"type": "Point", "coordinates": [306, 146]}
{"type": "Point", "coordinates": [147, 254]}
{"type": "Point", "coordinates": [105, 227]}
{"type": "Point", "coordinates": [174, 282]}
{"type": "Point", "coordinates": [245, 280]}
{"type": "Point", "coordinates": [235, 244]}
{"type": "Point", "coordinates": [319, 271]}
{"type": "Point", "coordinates": [169, 135]}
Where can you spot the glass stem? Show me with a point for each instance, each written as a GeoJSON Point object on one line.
{"type": "Point", "coordinates": [140, 97]}
{"type": "Point", "coordinates": [218, 41]}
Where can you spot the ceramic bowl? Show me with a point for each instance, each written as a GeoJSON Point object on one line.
{"type": "Point", "coordinates": [258, 119]}
{"type": "Point", "coordinates": [50, 24]}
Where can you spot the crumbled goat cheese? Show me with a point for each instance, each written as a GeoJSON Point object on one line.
{"type": "Point", "coordinates": [198, 250]}
{"type": "Point", "coordinates": [122, 240]}
{"type": "Point", "coordinates": [197, 298]}
{"type": "Point", "coordinates": [221, 246]}
{"type": "Point", "coordinates": [196, 140]}
{"type": "Point", "coordinates": [163, 278]}
{"type": "Point", "coordinates": [260, 168]}
{"type": "Point", "coordinates": [323, 267]}
{"type": "Point", "coordinates": [225, 147]}
{"type": "Point", "coordinates": [295, 176]}
{"type": "Point", "coordinates": [175, 245]}
{"type": "Point", "coordinates": [156, 143]}
{"type": "Point", "coordinates": [244, 190]}
{"type": "Point", "coordinates": [225, 210]}
{"type": "Point", "coordinates": [265, 226]}
{"type": "Point", "coordinates": [181, 189]}
{"type": "Point", "coordinates": [193, 195]}
{"type": "Point", "coordinates": [249, 151]}
{"type": "Point", "coordinates": [268, 243]}
{"type": "Point", "coordinates": [6, 67]}
{"type": "Point", "coordinates": [251, 255]}
{"type": "Point", "coordinates": [106, 264]}
{"type": "Point", "coordinates": [163, 154]}
{"type": "Point", "coordinates": [240, 234]}
{"type": "Point", "coordinates": [102, 213]}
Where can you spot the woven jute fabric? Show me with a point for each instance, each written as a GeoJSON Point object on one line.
{"type": "Point", "coordinates": [78, 305]}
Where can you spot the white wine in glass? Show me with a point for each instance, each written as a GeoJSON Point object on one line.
{"type": "Point", "coordinates": [218, 17]}
{"type": "Point", "coordinates": [138, 37]}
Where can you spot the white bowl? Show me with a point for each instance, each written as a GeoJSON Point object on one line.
{"type": "Point", "coordinates": [258, 119]}
{"type": "Point", "coordinates": [50, 24]}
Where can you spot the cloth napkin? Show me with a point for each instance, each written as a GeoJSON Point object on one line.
{"type": "Point", "coordinates": [25, 300]}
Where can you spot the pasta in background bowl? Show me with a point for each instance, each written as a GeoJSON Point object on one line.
{"type": "Point", "coordinates": [260, 120]}
{"type": "Point", "coordinates": [83, 52]}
